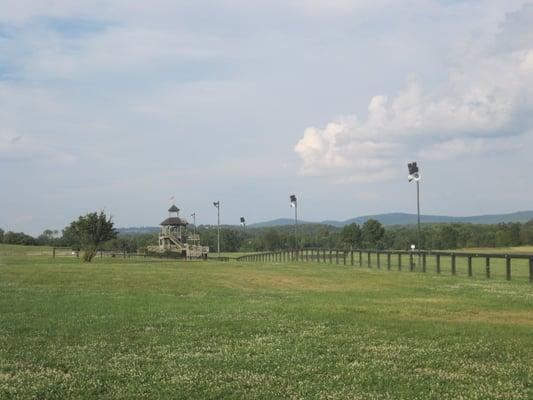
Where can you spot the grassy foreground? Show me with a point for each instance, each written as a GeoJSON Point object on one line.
{"type": "Point", "coordinates": [123, 329]}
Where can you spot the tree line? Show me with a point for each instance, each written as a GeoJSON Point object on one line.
{"type": "Point", "coordinates": [371, 234]}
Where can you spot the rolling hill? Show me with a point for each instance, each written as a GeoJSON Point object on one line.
{"type": "Point", "coordinates": [387, 219]}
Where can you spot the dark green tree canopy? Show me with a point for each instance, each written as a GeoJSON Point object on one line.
{"type": "Point", "coordinates": [351, 235]}
{"type": "Point", "coordinates": [372, 233]}
{"type": "Point", "coordinates": [89, 232]}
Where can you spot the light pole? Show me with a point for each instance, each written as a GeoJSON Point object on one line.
{"type": "Point", "coordinates": [294, 204]}
{"type": "Point", "coordinates": [414, 175]}
{"type": "Point", "coordinates": [217, 205]}
{"type": "Point", "coordinates": [193, 215]}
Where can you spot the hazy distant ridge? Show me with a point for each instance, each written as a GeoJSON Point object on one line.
{"type": "Point", "coordinates": [408, 219]}
{"type": "Point", "coordinates": [385, 219]}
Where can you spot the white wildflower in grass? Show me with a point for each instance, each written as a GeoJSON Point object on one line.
{"type": "Point", "coordinates": [165, 329]}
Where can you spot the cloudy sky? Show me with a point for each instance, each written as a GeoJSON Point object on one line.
{"type": "Point", "coordinates": [119, 105]}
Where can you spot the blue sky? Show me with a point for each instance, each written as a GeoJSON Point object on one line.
{"type": "Point", "coordinates": [120, 105]}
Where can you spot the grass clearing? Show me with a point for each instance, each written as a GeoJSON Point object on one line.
{"type": "Point", "coordinates": [127, 328]}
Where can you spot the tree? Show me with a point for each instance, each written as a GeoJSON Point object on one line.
{"type": "Point", "coordinates": [89, 232]}
{"type": "Point", "coordinates": [230, 240]}
{"type": "Point", "coordinates": [514, 233]}
{"type": "Point", "coordinates": [351, 235]}
{"type": "Point", "coordinates": [47, 237]}
{"type": "Point", "coordinates": [372, 233]}
{"type": "Point", "coordinates": [271, 239]}
{"type": "Point", "coordinates": [19, 238]}
{"type": "Point", "coordinates": [448, 237]}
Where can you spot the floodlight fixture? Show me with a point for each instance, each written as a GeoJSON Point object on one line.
{"type": "Point", "coordinates": [414, 173]}
{"type": "Point", "coordinates": [293, 200]}
{"type": "Point", "coordinates": [294, 204]}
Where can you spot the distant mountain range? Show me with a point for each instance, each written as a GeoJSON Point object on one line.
{"type": "Point", "coordinates": [409, 219]}
{"type": "Point", "coordinates": [386, 219]}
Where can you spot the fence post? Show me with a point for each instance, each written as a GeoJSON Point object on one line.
{"type": "Point", "coordinates": [388, 261]}
{"type": "Point", "coordinates": [423, 262]}
{"type": "Point", "coordinates": [378, 259]}
{"type": "Point", "coordinates": [470, 266]}
{"type": "Point", "coordinates": [344, 257]}
{"type": "Point", "coordinates": [454, 269]}
{"type": "Point", "coordinates": [351, 257]}
{"type": "Point", "coordinates": [54, 252]}
{"type": "Point", "coordinates": [78, 253]}
{"type": "Point", "coordinates": [399, 261]}
{"type": "Point", "coordinates": [438, 263]}
{"type": "Point", "coordinates": [508, 267]}
{"type": "Point", "coordinates": [331, 256]}
{"type": "Point", "coordinates": [369, 259]}
{"type": "Point", "coordinates": [531, 270]}
{"type": "Point", "coordinates": [360, 258]}
{"type": "Point", "coordinates": [411, 264]}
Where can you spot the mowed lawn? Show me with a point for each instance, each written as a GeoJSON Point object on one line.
{"type": "Point", "coordinates": [127, 329]}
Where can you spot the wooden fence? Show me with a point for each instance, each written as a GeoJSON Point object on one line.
{"type": "Point", "coordinates": [455, 263]}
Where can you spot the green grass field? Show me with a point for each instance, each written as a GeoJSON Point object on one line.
{"type": "Point", "coordinates": [123, 329]}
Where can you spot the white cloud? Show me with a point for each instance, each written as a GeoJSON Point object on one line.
{"type": "Point", "coordinates": [483, 99]}
{"type": "Point", "coordinates": [16, 146]}
{"type": "Point", "coordinates": [467, 147]}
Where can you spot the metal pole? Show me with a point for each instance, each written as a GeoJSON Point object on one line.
{"type": "Point", "coordinates": [218, 228]}
{"type": "Point", "coordinates": [418, 215]}
{"type": "Point", "coordinates": [296, 223]}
